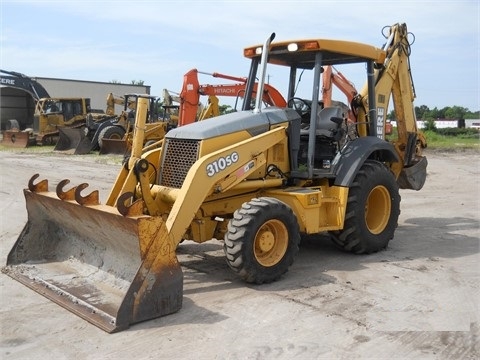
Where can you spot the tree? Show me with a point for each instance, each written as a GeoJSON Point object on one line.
{"type": "Point", "coordinates": [138, 82]}
{"type": "Point", "coordinates": [225, 109]}
{"type": "Point", "coordinates": [392, 116]}
{"type": "Point", "coordinates": [456, 112]}
{"type": "Point", "coordinates": [434, 114]}
{"type": "Point", "coordinates": [421, 111]}
{"type": "Point", "coordinates": [430, 125]}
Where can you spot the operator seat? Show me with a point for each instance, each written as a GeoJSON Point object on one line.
{"type": "Point", "coordinates": [328, 124]}
{"type": "Point", "coordinates": [329, 120]}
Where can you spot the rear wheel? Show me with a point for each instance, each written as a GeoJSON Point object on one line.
{"type": "Point", "coordinates": [372, 211]}
{"type": "Point", "coordinates": [262, 240]}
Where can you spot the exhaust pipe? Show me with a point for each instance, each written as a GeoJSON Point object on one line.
{"type": "Point", "coordinates": [263, 72]}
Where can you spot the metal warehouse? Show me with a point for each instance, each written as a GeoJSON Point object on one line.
{"type": "Point", "coordinates": [19, 103]}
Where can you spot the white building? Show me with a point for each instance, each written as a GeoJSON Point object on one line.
{"type": "Point", "coordinates": [442, 124]}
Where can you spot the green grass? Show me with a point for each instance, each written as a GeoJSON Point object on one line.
{"type": "Point", "coordinates": [468, 140]}
{"type": "Point", "coordinates": [447, 142]}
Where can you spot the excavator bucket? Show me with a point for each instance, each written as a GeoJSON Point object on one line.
{"type": "Point", "coordinates": [114, 146]}
{"type": "Point", "coordinates": [113, 270]}
{"type": "Point", "coordinates": [414, 176]}
{"type": "Point", "coordinates": [16, 138]}
{"type": "Point", "coordinates": [73, 141]}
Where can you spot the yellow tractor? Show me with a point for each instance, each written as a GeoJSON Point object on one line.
{"type": "Point", "coordinates": [258, 178]}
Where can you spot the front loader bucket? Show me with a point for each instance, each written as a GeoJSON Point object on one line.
{"type": "Point", "coordinates": [112, 270]}
{"type": "Point", "coordinates": [114, 146]}
{"type": "Point", "coordinates": [19, 139]}
{"type": "Point", "coordinates": [73, 141]}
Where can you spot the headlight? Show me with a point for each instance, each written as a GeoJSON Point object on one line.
{"type": "Point", "coordinates": [292, 47]}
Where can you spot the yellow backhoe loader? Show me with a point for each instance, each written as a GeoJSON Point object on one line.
{"type": "Point", "coordinates": [257, 178]}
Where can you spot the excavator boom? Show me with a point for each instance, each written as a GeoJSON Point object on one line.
{"type": "Point", "coordinates": [15, 135]}
{"type": "Point", "coordinates": [393, 78]}
{"type": "Point", "coordinates": [192, 90]}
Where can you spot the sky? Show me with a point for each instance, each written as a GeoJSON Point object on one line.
{"type": "Point", "coordinates": [159, 41]}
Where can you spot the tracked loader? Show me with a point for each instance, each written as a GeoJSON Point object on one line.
{"type": "Point", "coordinates": [257, 178]}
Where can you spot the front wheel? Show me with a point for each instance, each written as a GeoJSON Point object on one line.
{"type": "Point", "coordinates": [111, 132]}
{"type": "Point", "coordinates": [262, 240]}
{"type": "Point", "coordinates": [372, 212]}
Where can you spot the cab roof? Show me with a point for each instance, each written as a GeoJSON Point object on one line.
{"type": "Point", "coordinates": [334, 52]}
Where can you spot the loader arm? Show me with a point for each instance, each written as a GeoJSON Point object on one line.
{"type": "Point", "coordinates": [128, 178]}
{"type": "Point", "coordinates": [245, 158]}
{"type": "Point", "coordinates": [249, 157]}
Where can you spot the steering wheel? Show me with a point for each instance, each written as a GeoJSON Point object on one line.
{"type": "Point", "coordinates": [301, 106]}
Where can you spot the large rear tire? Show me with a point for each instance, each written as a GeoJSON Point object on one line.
{"type": "Point", "coordinates": [372, 212]}
{"type": "Point", "coordinates": [262, 240]}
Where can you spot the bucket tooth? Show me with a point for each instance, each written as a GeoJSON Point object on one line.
{"type": "Point", "coordinates": [90, 199]}
{"type": "Point", "coordinates": [65, 195]}
{"type": "Point", "coordinates": [41, 186]}
{"type": "Point", "coordinates": [134, 209]}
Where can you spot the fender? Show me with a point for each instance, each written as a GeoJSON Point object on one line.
{"type": "Point", "coordinates": [350, 159]}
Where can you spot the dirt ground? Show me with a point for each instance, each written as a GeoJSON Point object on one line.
{"type": "Point", "coordinates": [419, 299]}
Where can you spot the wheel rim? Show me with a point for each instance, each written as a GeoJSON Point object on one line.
{"type": "Point", "coordinates": [377, 209]}
{"type": "Point", "coordinates": [116, 136]}
{"type": "Point", "coordinates": [271, 242]}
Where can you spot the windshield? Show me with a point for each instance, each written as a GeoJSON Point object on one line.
{"type": "Point", "coordinates": [52, 106]}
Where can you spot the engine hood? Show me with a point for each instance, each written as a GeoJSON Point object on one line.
{"type": "Point", "coordinates": [255, 123]}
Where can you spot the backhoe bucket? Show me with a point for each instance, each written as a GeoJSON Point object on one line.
{"type": "Point", "coordinates": [73, 141]}
{"type": "Point", "coordinates": [413, 177]}
{"type": "Point", "coordinates": [19, 139]}
{"type": "Point", "coordinates": [110, 269]}
{"type": "Point", "coordinates": [114, 146]}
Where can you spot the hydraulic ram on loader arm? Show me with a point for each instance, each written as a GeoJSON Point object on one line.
{"type": "Point", "coordinates": [115, 264]}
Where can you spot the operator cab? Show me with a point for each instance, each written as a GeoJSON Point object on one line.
{"type": "Point", "coordinates": [319, 133]}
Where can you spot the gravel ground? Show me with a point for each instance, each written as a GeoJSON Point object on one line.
{"type": "Point", "coordinates": [418, 299]}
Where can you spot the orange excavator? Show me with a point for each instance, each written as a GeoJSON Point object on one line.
{"type": "Point", "coordinates": [331, 76]}
{"type": "Point", "coordinates": [192, 90]}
